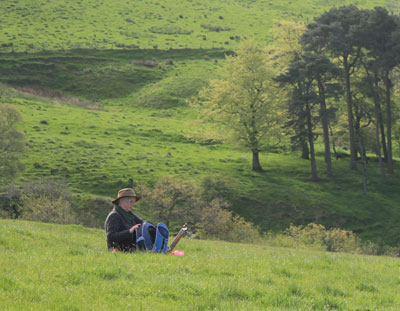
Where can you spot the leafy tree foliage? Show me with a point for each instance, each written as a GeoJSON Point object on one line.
{"type": "Point", "coordinates": [11, 143]}
{"type": "Point", "coordinates": [380, 36]}
{"type": "Point", "coordinates": [45, 200]}
{"type": "Point", "coordinates": [300, 77]}
{"type": "Point", "coordinates": [245, 99]}
{"type": "Point", "coordinates": [335, 32]}
{"type": "Point", "coordinates": [172, 201]}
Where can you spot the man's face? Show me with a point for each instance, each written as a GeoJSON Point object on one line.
{"type": "Point", "coordinates": [127, 203]}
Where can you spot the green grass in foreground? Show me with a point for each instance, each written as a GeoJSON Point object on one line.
{"type": "Point", "coordinates": [54, 267]}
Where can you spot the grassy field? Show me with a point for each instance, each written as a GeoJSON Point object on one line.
{"type": "Point", "coordinates": [55, 267]}
{"type": "Point", "coordinates": [98, 111]}
{"type": "Point", "coordinates": [36, 25]}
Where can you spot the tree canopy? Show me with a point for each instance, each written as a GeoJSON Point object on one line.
{"type": "Point", "coordinates": [244, 100]}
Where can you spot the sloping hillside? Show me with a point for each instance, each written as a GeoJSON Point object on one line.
{"type": "Point", "coordinates": [36, 25]}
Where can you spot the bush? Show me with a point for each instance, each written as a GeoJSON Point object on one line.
{"type": "Point", "coordinates": [10, 202]}
{"type": "Point", "coordinates": [334, 240]}
{"type": "Point", "coordinates": [45, 200]}
{"type": "Point", "coordinates": [218, 223]}
{"type": "Point", "coordinates": [317, 236]}
{"type": "Point", "coordinates": [172, 201]}
{"type": "Point", "coordinates": [47, 209]}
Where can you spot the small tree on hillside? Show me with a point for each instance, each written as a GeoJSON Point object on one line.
{"type": "Point", "coordinates": [244, 99]}
{"type": "Point", "coordinates": [11, 143]}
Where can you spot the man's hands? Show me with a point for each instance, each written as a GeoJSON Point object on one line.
{"type": "Point", "coordinates": [131, 230]}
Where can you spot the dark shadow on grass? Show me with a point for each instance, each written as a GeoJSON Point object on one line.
{"type": "Point", "coordinates": [95, 74]}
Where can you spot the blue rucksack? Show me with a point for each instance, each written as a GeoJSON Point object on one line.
{"type": "Point", "coordinates": [152, 238]}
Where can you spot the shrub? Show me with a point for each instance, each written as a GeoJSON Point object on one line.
{"type": "Point", "coordinates": [10, 203]}
{"type": "Point", "coordinates": [317, 236]}
{"type": "Point", "coordinates": [45, 200]}
{"type": "Point", "coordinates": [334, 240]}
{"type": "Point", "coordinates": [338, 240]}
{"type": "Point", "coordinates": [172, 201]}
{"type": "Point", "coordinates": [48, 209]}
{"type": "Point", "coordinates": [218, 223]}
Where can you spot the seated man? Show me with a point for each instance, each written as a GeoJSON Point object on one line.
{"type": "Point", "coordinates": [121, 223]}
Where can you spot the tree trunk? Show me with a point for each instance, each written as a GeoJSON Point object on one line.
{"type": "Point", "coordinates": [305, 152]}
{"type": "Point", "coordinates": [256, 161]}
{"type": "Point", "coordinates": [378, 145]}
{"type": "Point", "coordinates": [364, 170]}
{"type": "Point", "coordinates": [382, 127]}
{"type": "Point", "coordinates": [388, 85]}
{"type": "Point", "coordinates": [353, 156]}
{"type": "Point", "coordinates": [377, 139]}
{"type": "Point", "coordinates": [314, 175]}
{"type": "Point", "coordinates": [324, 120]}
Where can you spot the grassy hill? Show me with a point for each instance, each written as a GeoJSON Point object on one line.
{"type": "Point", "coordinates": [35, 25]}
{"type": "Point", "coordinates": [56, 267]}
{"type": "Point", "coordinates": [102, 89]}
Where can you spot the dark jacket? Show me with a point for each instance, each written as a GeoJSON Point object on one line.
{"type": "Point", "coordinates": [117, 232]}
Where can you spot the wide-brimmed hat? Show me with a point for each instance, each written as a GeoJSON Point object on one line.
{"type": "Point", "coordinates": [126, 192]}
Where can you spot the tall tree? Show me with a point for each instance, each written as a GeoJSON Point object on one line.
{"type": "Point", "coordinates": [12, 143]}
{"type": "Point", "coordinates": [310, 78]}
{"type": "Point", "coordinates": [380, 35]}
{"type": "Point", "coordinates": [287, 49]}
{"type": "Point", "coordinates": [301, 78]}
{"type": "Point", "coordinates": [324, 72]}
{"type": "Point", "coordinates": [373, 91]}
{"type": "Point", "coordinates": [244, 99]}
{"type": "Point", "coordinates": [334, 32]}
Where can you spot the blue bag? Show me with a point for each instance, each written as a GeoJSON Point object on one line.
{"type": "Point", "coordinates": [152, 238]}
{"type": "Point", "coordinates": [161, 241]}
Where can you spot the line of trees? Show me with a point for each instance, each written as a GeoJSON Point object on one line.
{"type": "Point", "coordinates": [346, 60]}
